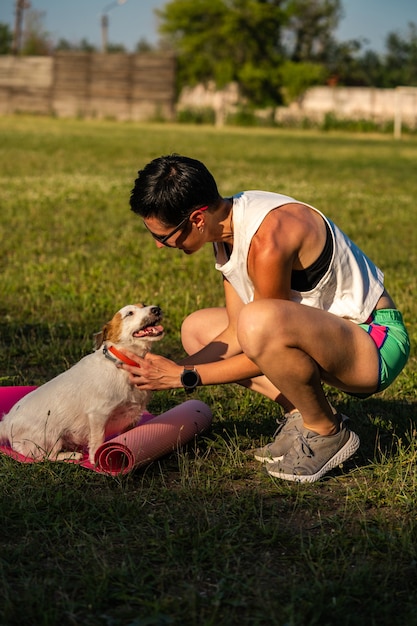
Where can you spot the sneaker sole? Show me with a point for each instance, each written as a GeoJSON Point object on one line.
{"type": "Point", "coordinates": [342, 455]}
{"type": "Point", "coordinates": [268, 459]}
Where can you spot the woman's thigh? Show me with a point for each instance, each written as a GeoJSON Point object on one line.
{"type": "Point", "coordinates": [201, 327]}
{"type": "Point", "coordinates": [279, 331]}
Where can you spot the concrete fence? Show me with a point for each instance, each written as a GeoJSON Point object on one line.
{"type": "Point", "coordinates": [359, 102]}
{"type": "Point", "coordinates": [71, 84]}
{"type": "Point", "coordinates": [378, 105]}
{"type": "Point", "coordinates": [142, 86]}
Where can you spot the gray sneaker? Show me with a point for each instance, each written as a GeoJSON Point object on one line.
{"type": "Point", "coordinates": [313, 455]}
{"type": "Point", "coordinates": [285, 436]}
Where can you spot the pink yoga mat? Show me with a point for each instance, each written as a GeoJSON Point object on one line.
{"type": "Point", "coordinates": [151, 439]}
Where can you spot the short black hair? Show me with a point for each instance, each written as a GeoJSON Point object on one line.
{"type": "Point", "coordinates": [172, 187]}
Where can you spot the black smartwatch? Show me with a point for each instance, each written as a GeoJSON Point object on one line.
{"type": "Point", "coordinates": [190, 378]}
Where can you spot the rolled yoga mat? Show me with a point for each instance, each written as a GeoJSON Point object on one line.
{"type": "Point", "coordinates": [152, 438]}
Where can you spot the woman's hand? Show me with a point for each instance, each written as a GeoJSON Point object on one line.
{"type": "Point", "coordinates": [153, 372]}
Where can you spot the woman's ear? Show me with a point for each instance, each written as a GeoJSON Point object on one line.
{"type": "Point", "coordinates": [197, 219]}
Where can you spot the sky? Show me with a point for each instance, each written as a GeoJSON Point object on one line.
{"type": "Point", "coordinates": [133, 20]}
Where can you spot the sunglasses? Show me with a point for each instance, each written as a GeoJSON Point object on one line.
{"type": "Point", "coordinates": [164, 238]}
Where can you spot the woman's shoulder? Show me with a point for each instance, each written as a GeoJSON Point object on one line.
{"type": "Point", "coordinates": [257, 196]}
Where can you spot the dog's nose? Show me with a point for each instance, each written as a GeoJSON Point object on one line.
{"type": "Point", "coordinates": [156, 310]}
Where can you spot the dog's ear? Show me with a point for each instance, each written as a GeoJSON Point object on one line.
{"type": "Point", "coordinates": [100, 337]}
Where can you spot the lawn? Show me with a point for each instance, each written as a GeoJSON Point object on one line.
{"type": "Point", "coordinates": [203, 537]}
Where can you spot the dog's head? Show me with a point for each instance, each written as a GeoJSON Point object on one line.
{"type": "Point", "coordinates": [134, 325]}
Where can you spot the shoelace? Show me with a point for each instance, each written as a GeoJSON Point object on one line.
{"type": "Point", "coordinates": [281, 423]}
{"type": "Point", "coordinates": [304, 448]}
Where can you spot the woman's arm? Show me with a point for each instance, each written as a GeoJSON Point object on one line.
{"type": "Point", "coordinates": [290, 237]}
{"type": "Point", "coordinates": [221, 361]}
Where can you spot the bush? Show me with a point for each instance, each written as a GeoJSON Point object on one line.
{"type": "Point", "coordinates": [196, 115]}
{"type": "Point", "coordinates": [298, 77]}
{"type": "Point", "coordinates": [251, 118]}
{"type": "Point", "coordinates": [361, 125]}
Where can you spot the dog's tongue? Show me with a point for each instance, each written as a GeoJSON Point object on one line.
{"type": "Point", "coordinates": [149, 331]}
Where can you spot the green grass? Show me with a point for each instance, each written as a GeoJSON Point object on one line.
{"type": "Point", "coordinates": [203, 537]}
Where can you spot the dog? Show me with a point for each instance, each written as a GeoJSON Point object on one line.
{"type": "Point", "coordinates": [92, 400]}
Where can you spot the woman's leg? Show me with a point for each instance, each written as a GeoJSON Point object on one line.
{"type": "Point", "coordinates": [298, 347]}
{"type": "Point", "coordinates": [201, 327]}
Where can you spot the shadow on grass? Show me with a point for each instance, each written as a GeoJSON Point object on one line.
{"type": "Point", "coordinates": [31, 354]}
{"type": "Point", "coordinates": [35, 353]}
{"type": "Point", "coordinates": [382, 425]}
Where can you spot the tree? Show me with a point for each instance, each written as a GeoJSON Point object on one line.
{"type": "Point", "coordinates": [401, 58]}
{"type": "Point", "coordinates": [227, 40]}
{"type": "Point", "coordinates": [143, 46]}
{"type": "Point", "coordinates": [36, 40]}
{"type": "Point", "coordinates": [298, 77]}
{"type": "Point", "coordinates": [86, 46]}
{"type": "Point", "coordinates": [6, 39]}
{"type": "Point", "coordinates": [245, 40]}
{"type": "Point", "coordinates": [342, 62]}
{"type": "Point", "coordinates": [64, 45]}
{"type": "Point", "coordinates": [366, 70]}
{"type": "Point", "coordinates": [114, 48]}
{"type": "Point", "coordinates": [397, 66]}
{"type": "Point", "coordinates": [311, 25]}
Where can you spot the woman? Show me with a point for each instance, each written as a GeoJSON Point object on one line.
{"type": "Point", "coordinates": [303, 306]}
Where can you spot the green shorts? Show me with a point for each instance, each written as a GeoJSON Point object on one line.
{"type": "Point", "coordinates": [386, 328]}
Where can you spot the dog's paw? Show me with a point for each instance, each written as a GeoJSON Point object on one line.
{"type": "Point", "coordinates": [92, 457]}
{"type": "Point", "coordinates": [69, 456]}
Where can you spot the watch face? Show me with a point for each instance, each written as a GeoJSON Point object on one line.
{"type": "Point", "coordinates": [189, 378]}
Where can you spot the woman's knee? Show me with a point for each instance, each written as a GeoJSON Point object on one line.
{"type": "Point", "coordinates": [201, 327]}
{"type": "Point", "coordinates": [260, 323]}
{"type": "Point", "coordinates": [190, 333]}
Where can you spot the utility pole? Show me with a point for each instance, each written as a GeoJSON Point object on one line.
{"type": "Point", "coordinates": [105, 23]}
{"type": "Point", "coordinates": [21, 5]}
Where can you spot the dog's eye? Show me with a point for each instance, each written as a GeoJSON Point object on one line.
{"type": "Point", "coordinates": [129, 313]}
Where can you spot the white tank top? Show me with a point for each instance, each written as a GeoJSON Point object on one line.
{"type": "Point", "coordinates": [351, 286]}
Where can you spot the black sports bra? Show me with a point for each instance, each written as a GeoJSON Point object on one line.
{"type": "Point", "coordinates": [308, 278]}
{"type": "Point", "coordinates": [301, 280]}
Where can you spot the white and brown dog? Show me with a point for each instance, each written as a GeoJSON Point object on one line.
{"type": "Point", "coordinates": [92, 400]}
